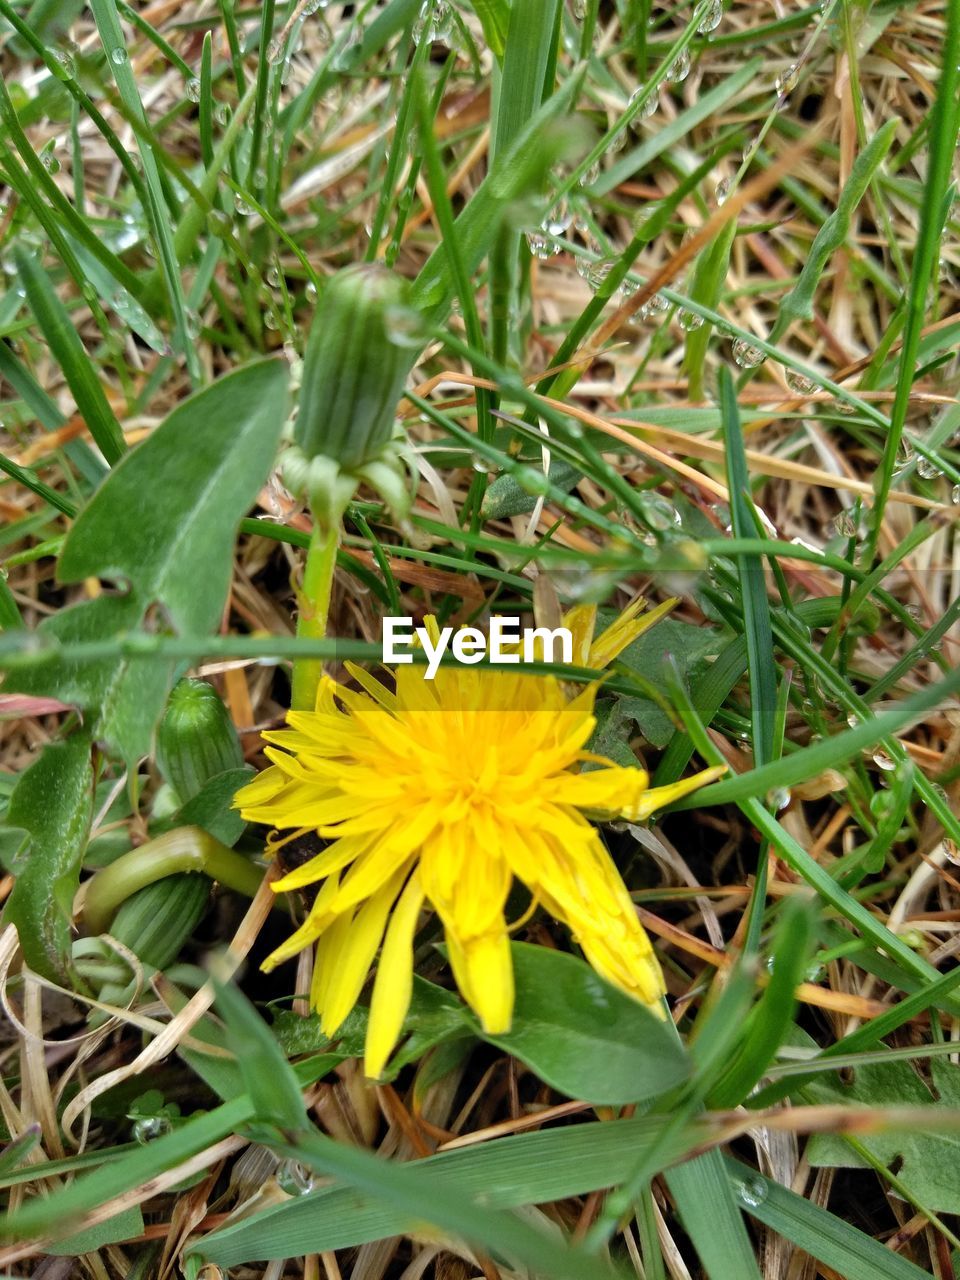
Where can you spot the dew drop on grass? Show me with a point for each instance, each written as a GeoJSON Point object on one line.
{"type": "Point", "coordinates": [598, 271]}
{"type": "Point", "coordinates": [746, 355]}
{"type": "Point", "coordinates": [272, 277]}
{"type": "Point", "coordinates": [591, 176]}
{"type": "Point", "coordinates": [845, 407]}
{"type": "Point", "coordinates": [711, 19]}
{"type": "Point", "coordinates": [779, 798]}
{"type": "Point", "coordinates": [310, 291]}
{"type": "Point", "coordinates": [884, 761]}
{"type": "Point", "coordinates": [271, 318]}
{"type": "Point", "coordinates": [845, 524]}
{"type": "Point", "coordinates": [650, 104]}
{"type": "Point", "coordinates": [149, 1128]}
{"type": "Point", "coordinates": [690, 321]}
{"type": "Point", "coordinates": [558, 220]}
{"type": "Point", "coordinates": [65, 67]}
{"type": "Point", "coordinates": [118, 56]}
{"type": "Point", "coordinates": [752, 1192]}
{"type": "Point", "coordinates": [541, 246]}
{"type": "Point", "coordinates": [275, 51]}
{"type": "Point", "coordinates": [722, 190]}
{"type": "Point", "coordinates": [787, 80]}
{"type": "Point", "coordinates": [49, 160]}
{"type": "Point", "coordinates": [955, 495]}
{"type": "Point", "coordinates": [679, 68]}
{"type": "Point", "coordinates": [314, 6]}
{"type": "Point", "coordinates": [800, 383]}
{"type": "Point", "coordinates": [654, 307]}
{"type": "Point", "coordinates": [404, 327]}
{"type": "Point", "coordinates": [193, 89]}
{"type": "Point", "coordinates": [242, 207]}
{"type": "Point", "coordinates": [927, 469]}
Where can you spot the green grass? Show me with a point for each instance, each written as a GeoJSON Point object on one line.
{"type": "Point", "coordinates": [604, 399]}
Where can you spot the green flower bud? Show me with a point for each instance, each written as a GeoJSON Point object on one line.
{"type": "Point", "coordinates": [196, 739]}
{"type": "Point", "coordinates": [363, 342]}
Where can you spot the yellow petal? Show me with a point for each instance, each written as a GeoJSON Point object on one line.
{"type": "Point", "coordinates": [657, 797]}
{"type": "Point", "coordinates": [356, 956]}
{"type": "Point", "coordinates": [484, 973]}
{"type": "Point", "coordinates": [394, 980]}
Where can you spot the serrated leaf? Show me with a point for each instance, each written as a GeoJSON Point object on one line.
{"type": "Point", "coordinates": [162, 525]}
{"type": "Point", "coordinates": [211, 808]}
{"type": "Point", "coordinates": [930, 1168]}
{"type": "Point", "coordinates": [584, 1037]}
{"type": "Point", "coordinates": [165, 519]}
{"type": "Point", "coordinates": [507, 497]}
{"type": "Point", "coordinates": [689, 646]}
{"type": "Point", "coordinates": [52, 804]}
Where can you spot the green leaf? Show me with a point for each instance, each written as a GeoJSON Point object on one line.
{"type": "Point", "coordinates": [494, 16]}
{"type": "Point", "coordinates": [930, 1168]}
{"type": "Point", "coordinates": [52, 804]}
{"type": "Point", "coordinates": [584, 1037]}
{"type": "Point", "coordinates": [829, 1239]}
{"type": "Point", "coordinates": [711, 1217]}
{"type": "Point", "coordinates": [688, 646]}
{"type": "Point", "coordinates": [509, 1172]}
{"type": "Point", "coordinates": [798, 303]}
{"type": "Point", "coordinates": [163, 525]}
{"type": "Point", "coordinates": [267, 1076]}
{"type": "Point", "coordinates": [164, 522]}
{"type": "Point", "coordinates": [127, 1225]}
{"type": "Point", "coordinates": [212, 807]}
{"type": "Point", "coordinates": [507, 497]}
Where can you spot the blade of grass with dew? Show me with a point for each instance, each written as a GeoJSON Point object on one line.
{"type": "Point", "coordinates": [111, 36]}
{"type": "Point", "coordinates": [943, 139]}
{"type": "Point", "coordinates": [840, 1246]}
{"type": "Point", "coordinates": [82, 378]}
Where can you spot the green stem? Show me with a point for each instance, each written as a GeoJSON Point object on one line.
{"type": "Point", "coordinates": [186, 849]}
{"type": "Point", "coordinates": [314, 607]}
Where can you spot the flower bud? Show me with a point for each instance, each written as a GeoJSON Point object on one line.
{"type": "Point", "coordinates": [196, 739]}
{"type": "Point", "coordinates": [363, 342]}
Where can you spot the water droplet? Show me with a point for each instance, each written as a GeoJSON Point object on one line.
{"type": "Point", "coordinates": [65, 66]}
{"type": "Point", "coordinates": [955, 495]}
{"type": "Point", "coordinates": [404, 327]}
{"type": "Point", "coordinates": [845, 407]}
{"type": "Point", "coordinates": [659, 513]}
{"type": "Point", "coordinates": [778, 798]}
{"type": "Point", "coordinates": [591, 176]}
{"type": "Point", "coordinates": [294, 1178]}
{"type": "Point", "coordinates": [314, 6]}
{"type": "Point", "coordinates": [786, 81]}
{"type": "Point", "coordinates": [310, 291]}
{"type": "Point", "coordinates": [579, 9]}
{"type": "Point", "coordinates": [722, 190]}
{"type": "Point", "coordinates": [221, 113]}
{"type": "Point", "coordinates": [654, 307]}
{"type": "Point", "coordinates": [275, 51]}
{"type": "Point", "coordinates": [118, 56]}
{"type": "Point", "coordinates": [853, 720]}
{"type": "Point", "coordinates": [149, 1128]}
{"type": "Point", "coordinates": [271, 318]}
{"type": "Point", "coordinates": [49, 159]}
{"type": "Point", "coordinates": [746, 355]}
{"type": "Point", "coordinates": [558, 220]}
{"type": "Point", "coordinates": [845, 524]}
{"type": "Point", "coordinates": [752, 1192]}
{"type": "Point", "coordinates": [800, 383]}
{"type": "Point", "coordinates": [541, 246]}
{"type": "Point", "coordinates": [193, 324]}
{"type": "Point", "coordinates": [598, 271]}
{"type": "Point", "coordinates": [193, 89]}
{"type": "Point", "coordinates": [927, 469]}
{"type": "Point", "coordinates": [905, 453]}
{"type": "Point", "coordinates": [242, 207]}
{"type": "Point", "coordinates": [260, 179]}
{"type": "Point", "coordinates": [434, 23]}
{"type": "Point", "coordinates": [884, 761]}
{"type": "Point", "coordinates": [711, 19]}
{"type": "Point", "coordinates": [272, 276]}
{"type": "Point", "coordinates": [689, 321]}
{"type": "Point", "coordinates": [679, 68]}
{"type": "Point", "coordinates": [650, 104]}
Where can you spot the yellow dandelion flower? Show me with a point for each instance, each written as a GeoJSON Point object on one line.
{"type": "Point", "coordinates": [441, 793]}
